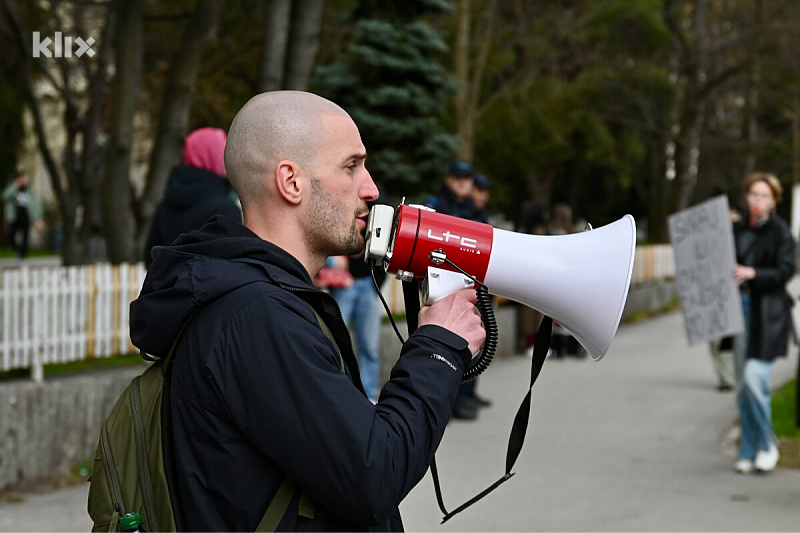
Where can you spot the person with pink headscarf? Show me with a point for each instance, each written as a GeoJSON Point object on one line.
{"type": "Point", "coordinates": [197, 190]}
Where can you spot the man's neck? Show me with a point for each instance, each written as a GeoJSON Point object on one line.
{"type": "Point", "coordinates": [288, 238]}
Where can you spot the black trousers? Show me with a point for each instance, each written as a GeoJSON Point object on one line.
{"type": "Point", "coordinates": [20, 229]}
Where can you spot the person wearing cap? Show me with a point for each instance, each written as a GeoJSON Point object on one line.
{"type": "Point", "coordinates": [197, 190]}
{"type": "Point", "coordinates": [455, 196]}
{"type": "Point", "coordinates": [456, 199]}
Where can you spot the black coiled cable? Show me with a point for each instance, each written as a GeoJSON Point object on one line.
{"type": "Point", "coordinates": [484, 304]}
{"type": "Point", "coordinates": [482, 361]}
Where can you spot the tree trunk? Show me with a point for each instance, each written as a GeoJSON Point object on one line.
{"type": "Point", "coordinates": [470, 80]}
{"type": "Point", "coordinates": [796, 137]}
{"type": "Point", "coordinates": [464, 121]}
{"type": "Point", "coordinates": [753, 88]}
{"type": "Point", "coordinates": [118, 219]}
{"type": "Point", "coordinates": [88, 223]}
{"type": "Point", "coordinates": [277, 20]}
{"type": "Point", "coordinates": [687, 148]}
{"type": "Point", "coordinates": [304, 43]}
{"type": "Point", "coordinates": [692, 67]}
{"type": "Point", "coordinates": [173, 123]}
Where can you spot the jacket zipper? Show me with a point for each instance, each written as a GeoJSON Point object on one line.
{"type": "Point", "coordinates": [298, 290]}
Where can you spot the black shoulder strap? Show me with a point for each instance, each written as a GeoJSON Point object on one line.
{"type": "Point", "coordinates": [328, 333]}
{"type": "Point", "coordinates": [519, 427]}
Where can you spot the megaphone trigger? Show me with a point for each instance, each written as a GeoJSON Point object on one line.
{"type": "Point", "coordinates": [439, 283]}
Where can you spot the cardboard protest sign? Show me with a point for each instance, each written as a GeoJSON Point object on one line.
{"type": "Point", "coordinates": [702, 241]}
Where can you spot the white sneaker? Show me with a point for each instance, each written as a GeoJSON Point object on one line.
{"type": "Point", "coordinates": [744, 466]}
{"type": "Point", "coordinates": [766, 461]}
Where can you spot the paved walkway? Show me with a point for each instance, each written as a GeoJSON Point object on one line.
{"type": "Point", "coordinates": [635, 442]}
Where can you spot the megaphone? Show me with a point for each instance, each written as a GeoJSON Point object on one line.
{"type": "Point", "coordinates": [580, 280]}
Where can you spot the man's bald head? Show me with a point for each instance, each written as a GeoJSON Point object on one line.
{"type": "Point", "coordinates": [271, 127]}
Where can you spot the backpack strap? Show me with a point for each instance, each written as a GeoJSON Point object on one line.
{"type": "Point", "coordinates": [326, 330]}
{"type": "Point", "coordinates": [280, 502]}
{"type": "Point", "coordinates": [277, 507]}
{"type": "Point", "coordinates": [306, 504]}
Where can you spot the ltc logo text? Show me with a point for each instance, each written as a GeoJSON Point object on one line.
{"type": "Point", "coordinates": [63, 46]}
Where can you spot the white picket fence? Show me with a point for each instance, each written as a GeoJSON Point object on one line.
{"type": "Point", "coordinates": [64, 314]}
{"type": "Point", "coordinates": [653, 263]}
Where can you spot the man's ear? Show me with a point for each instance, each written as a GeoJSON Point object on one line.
{"type": "Point", "coordinates": [287, 182]}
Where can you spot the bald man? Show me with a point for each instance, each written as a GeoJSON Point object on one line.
{"type": "Point", "coordinates": [259, 393]}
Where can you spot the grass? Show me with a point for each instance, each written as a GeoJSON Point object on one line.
{"type": "Point", "coordinates": [784, 414]}
{"type": "Point", "coordinates": [640, 315]}
{"type": "Point", "coordinates": [84, 365]}
{"type": "Point", "coordinates": [9, 253]}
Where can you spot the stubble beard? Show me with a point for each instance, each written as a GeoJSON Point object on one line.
{"type": "Point", "coordinates": [324, 237]}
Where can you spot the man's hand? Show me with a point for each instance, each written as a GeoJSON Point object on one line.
{"type": "Point", "coordinates": [743, 273]}
{"type": "Point", "coordinates": [457, 313]}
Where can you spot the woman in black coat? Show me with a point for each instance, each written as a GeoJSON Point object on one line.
{"type": "Point", "coordinates": [765, 263]}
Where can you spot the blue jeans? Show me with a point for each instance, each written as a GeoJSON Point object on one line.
{"type": "Point", "coordinates": [361, 309]}
{"type": "Point", "coordinates": [755, 409]}
{"type": "Point", "coordinates": [752, 394]}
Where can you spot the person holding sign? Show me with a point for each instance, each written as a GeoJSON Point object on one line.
{"type": "Point", "coordinates": [765, 257]}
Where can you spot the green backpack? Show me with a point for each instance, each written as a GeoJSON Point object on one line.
{"type": "Point", "coordinates": [134, 471]}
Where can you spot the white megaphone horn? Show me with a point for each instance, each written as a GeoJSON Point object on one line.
{"type": "Point", "coordinates": [580, 280]}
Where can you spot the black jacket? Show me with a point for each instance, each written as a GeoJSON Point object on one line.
{"type": "Point", "coordinates": [258, 392]}
{"type": "Point", "coordinates": [193, 196]}
{"type": "Point", "coordinates": [770, 249]}
{"type": "Point", "coordinates": [448, 204]}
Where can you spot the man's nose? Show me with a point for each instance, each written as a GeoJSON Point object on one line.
{"type": "Point", "coordinates": [369, 191]}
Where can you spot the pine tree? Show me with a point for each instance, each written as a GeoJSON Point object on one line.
{"type": "Point", "coordinates": [391, 82]}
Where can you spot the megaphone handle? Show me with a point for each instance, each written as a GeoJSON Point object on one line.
{"type": "Point", "coordinates": [412, 304]}
{"type": "Point", "coordinates": [480, 362]}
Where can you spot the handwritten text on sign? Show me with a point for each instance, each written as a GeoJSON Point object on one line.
{"type": "Point", "coordinates": [702, 240]}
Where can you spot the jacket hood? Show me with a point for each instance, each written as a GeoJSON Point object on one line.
{"type": "Point", "coordinates": [188, 186]}
{"type": "Point", "coordinates": [200, 267]}
{"type": "Point", "coordinates": [205, 148]}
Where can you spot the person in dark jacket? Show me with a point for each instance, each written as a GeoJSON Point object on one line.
{"type": "Point", "coordinates": [455, 196]}
{"type": "Point", "coordinates": [765, 253]}
{"type": "Point", "coordinates": [455, 199]}
{"type": "Point", "coordinates": [196, 190]}
{"type": "Point", "coordinates": [259, 392]}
